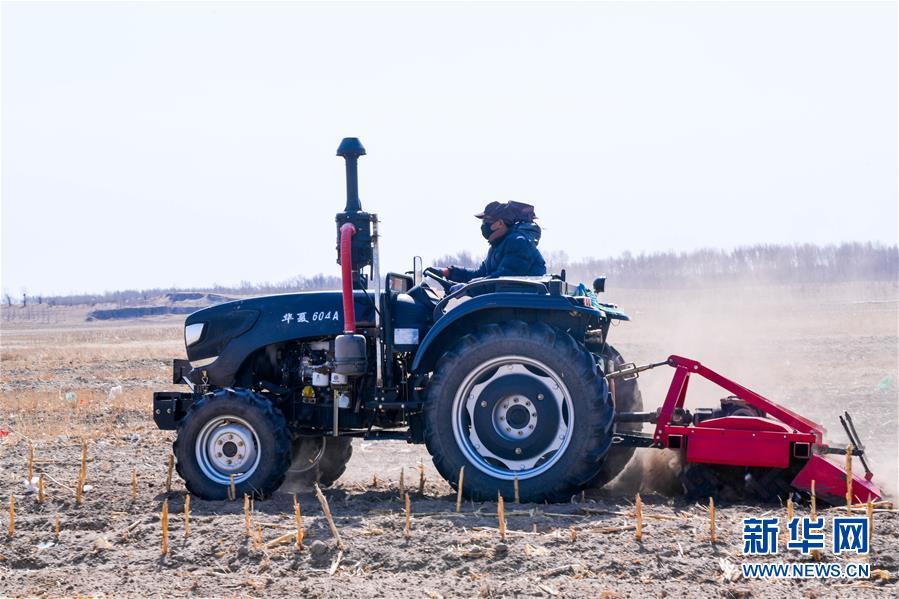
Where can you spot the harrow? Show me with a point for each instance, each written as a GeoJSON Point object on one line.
{"type": "Point", "coordinates": [748, 447]}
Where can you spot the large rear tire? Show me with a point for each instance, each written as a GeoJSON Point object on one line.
{"type": "Point", "coordinates": [518, 401]}
{"type": "Point", "coordinates": [627, 398]}
{"type": "Point", "coordinates": [232, 432]}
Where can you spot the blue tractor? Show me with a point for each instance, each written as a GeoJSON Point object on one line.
{"type": "Point", "coordinates": [504, 376]}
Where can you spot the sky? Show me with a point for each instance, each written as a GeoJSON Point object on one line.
{"type": "Point", "coordinates": [169, 144]}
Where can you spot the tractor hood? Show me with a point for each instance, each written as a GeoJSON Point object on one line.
{"type": "Point", "coordinates": [219, 338]}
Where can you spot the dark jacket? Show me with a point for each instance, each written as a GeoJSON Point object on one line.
{"type": "Point", "coordinates": [514, 255]}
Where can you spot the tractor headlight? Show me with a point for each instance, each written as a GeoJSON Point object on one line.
{"type": "Point", "coordinates": [193, 332]}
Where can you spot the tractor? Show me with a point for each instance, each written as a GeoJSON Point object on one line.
{"type": "Point", "coordinates": [512, 378]}
{"type": "Point", "coordinates": [503, 376]}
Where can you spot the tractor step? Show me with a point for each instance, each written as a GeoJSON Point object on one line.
{"type": "Point", "coordinates": [411, 406]}
{"type": "Point", "coordinates": [401, 435]}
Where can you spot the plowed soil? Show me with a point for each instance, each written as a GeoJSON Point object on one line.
{"type": "Point", "coordinates": [818, 350]}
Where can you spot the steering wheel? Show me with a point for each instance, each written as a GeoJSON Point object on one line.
{"type": "Point", "coordinates": [437, 275]}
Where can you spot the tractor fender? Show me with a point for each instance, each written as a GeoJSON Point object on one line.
{"type": "Point", "coordinates": [554, 310]}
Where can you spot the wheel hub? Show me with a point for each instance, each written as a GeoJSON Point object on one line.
{"type": "Point", "coordinates": [229, 449]}
{"type": "Point", "coordinates": [509, 425]}
{"type": "Point", "coordinates": [227, 446]}
{"type": "Point", "coordinates": [515, 417]}
{"type": "Point", "coordinates": [518, 416]}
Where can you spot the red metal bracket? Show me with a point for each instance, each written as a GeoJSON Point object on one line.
{"type": "Point", "coordinates": [677, 394]}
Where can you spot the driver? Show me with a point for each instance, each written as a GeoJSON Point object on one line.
{"type": "Point", "coordinates": [513, 235]}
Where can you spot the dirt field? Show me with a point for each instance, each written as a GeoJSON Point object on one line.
{"type": "Point", "coordinates": [820, 350]}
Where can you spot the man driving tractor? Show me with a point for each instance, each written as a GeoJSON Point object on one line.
{"type": "Point", "coordinates": [513, 236]}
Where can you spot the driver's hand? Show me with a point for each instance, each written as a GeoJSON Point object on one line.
{"type": "Point", "coordinates": [444, 270]}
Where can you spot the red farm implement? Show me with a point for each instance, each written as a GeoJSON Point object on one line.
{"type": "Point", "coordinates": [749, 446]}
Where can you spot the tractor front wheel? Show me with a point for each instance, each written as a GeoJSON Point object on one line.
{"type": "Point", "coordinates": [234, 434]}
{"type": "Point", "coordinates": [518, 401]}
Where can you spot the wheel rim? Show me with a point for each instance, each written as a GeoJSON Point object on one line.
{"type": "Point", "coordinates": [228, 446]}
{"type": "Point", "coordinates": [513, 417]}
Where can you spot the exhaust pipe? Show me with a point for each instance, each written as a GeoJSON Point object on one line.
{"type": "Point", "coordinates": [354, 252]}
{"type": "Point", "coordinates": [347, 230]}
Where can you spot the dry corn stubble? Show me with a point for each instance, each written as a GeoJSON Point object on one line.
{"type": "Point", "coordinates": [257, 536]}
{"type": "Point", "coordinates": [327, 511]}
{"type": "Point", "coordinates": [164, 523]}
{"type": "Point", "coordinates": [849, 479]}
{"type": "Point", "coordinates": [638, 512]}
{"type": "Point", "coordinates": [299, 522]}
{"type": "Point", "coordinates": [84, 459]}
{"type": "Point", "coordinates": [247, 518]}
{"type": "Point", "coordinates": [815, 553]}
{"type": "Point", "coordinates": [168, 476]}
{"type": "Point", "coordinates": [501, 515]}
{"type": "Point", "coordinates": [869, 508]}
{"type": "Point", "coordinates": [813, 511]}
{"type": "Point", "coordinates": [12, 517]}
{"type": "Point", "coordinates": [187, 516]}
{"type": "Point", "coordinates": [459, 491]}
{"type": "Point", "coordinates": [82, 474]}
{"type": "Point", "coordinates": [407, 531]}
{"type": "Point", "coordinates": [30, 466]}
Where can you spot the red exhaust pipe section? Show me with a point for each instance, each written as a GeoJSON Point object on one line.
{"type": "Point", "coordinates": [346, 273]}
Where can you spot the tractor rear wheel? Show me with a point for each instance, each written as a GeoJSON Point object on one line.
{"type": "Point", "coordinates": [518, 401]}
{"type": "Point", "coordinates": [319, 460]}
{"type": "Point", "coordinates": [232, 433]}
{"type": "Point", "coordinates": [627, 398]}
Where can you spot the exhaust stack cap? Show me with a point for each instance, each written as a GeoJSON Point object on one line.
{"type": "Point", "coordinates": [351, 146]}
{"type": "Point", "coordinates": [351, 149]}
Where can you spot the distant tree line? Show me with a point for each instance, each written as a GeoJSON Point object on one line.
{"type": "Point", "coordinates": [134, 297]}
{"type": "Point", "coordinates": [805, 263]}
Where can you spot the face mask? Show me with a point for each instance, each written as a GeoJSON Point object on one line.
{"type": "Point", "coordinates": [486, 229]}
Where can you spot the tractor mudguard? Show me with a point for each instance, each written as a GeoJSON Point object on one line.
{"type": "Point", "coordinates": [613, 312]}
{"type": "Point", "coordinates": [555, 310]}
{"type": "Point", "coordinates": [229, 337]}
